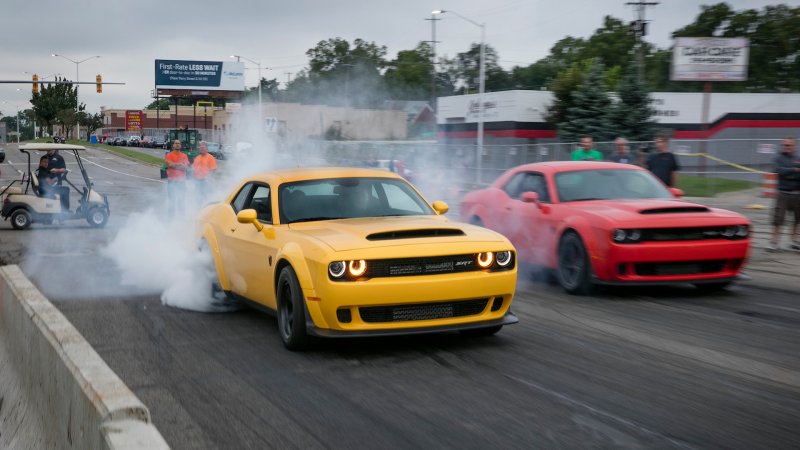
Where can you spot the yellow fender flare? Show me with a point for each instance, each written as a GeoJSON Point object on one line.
{"type": "Point", "coordinates": [210, 238]}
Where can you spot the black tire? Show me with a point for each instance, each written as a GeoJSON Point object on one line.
{"type": "Point", "coordinates": [481, 332]}
{"type": "Point", "coordinates": [712, 287]}
{"type": "Point", "coordinates": [291, 311]}
{"type": "Point", "coordinates": [97, 217]}
{"type": "Point", "coordinates": [574, 271]}
{"type": "Point", "coordinates": [20, 219]}
{"type": "Point", "coordinates": [220, 302]}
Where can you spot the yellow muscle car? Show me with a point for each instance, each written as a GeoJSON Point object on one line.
{"type": "Point", "coordinates": [355, 252]}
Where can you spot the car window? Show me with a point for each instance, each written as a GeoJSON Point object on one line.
{"type": "Point", "coordinates": [608, 184]}
{"type": "Point", "coordinates": [260, 201]}
{"type": "Point", "coordinates": [512, 187]}
{"type": "Point", "coordinates": [535, 182]}
{"type": "Point", "coordinates": [241, 198]}
{"type": "Point", "coordinates": [354, 197]}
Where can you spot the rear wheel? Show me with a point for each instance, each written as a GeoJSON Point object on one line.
{"type": "Point", "coordinates": [291, 311]}
{"type": "Point", "coordinates": [573, 265]}
{"type": "Point", "coordinates": [97, 217]}
{"type": "Point", "coordinates": [20, 219]}
{"type": "Point", "coordinates": [220, 302]}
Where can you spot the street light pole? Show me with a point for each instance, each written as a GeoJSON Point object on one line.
{"type": "Point", "coordinates": [481, 89]}
{"type": "Point", "coordinates": [258, 64]}
{"type": "Point", "coordinates": [77, 80]}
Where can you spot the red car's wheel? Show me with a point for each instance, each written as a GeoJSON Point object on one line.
{"type": "Point", "coordinates": [573, 265]}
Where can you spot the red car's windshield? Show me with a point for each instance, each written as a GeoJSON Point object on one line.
{"type": "Point", "coordinates": [608, 184]}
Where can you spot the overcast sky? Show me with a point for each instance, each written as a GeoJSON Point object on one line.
{"type": "Point", "coordinates": [130, 35]}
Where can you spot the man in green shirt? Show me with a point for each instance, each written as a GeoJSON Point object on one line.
{"type": "Point", "coordinates": [586, 152]}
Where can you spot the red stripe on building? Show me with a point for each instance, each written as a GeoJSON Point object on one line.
{"type": "Point", "coordinates": [725, 124]}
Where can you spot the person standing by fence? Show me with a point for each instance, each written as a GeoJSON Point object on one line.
{"type": "Point", "coordinates": [203, 166]}
{"type": "Point", "coordinates": [586, 152]}
{"type": "Point", "coordinates": [787, 166]}
{"type": "Point", "coordinates": [177, 165]}
{"type": "Point", "coordinates": [621, 153]}
{"type": "Point", "coordinates": [663, 163]}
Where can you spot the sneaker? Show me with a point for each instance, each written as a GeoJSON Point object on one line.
{"type": "Point", "coordinates": [772, 247]}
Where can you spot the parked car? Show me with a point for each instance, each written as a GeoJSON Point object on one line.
{"type": "Point", "coordinates": [355, 252]}
{"type": "Point", "coordinates": [134, 141]}
{"type": "Point", "coordinates": [215, 149]}
{"type": "Point", "coordinates": [120, 141]}
{"type": "Point", "coordinates": [159, 142]}
{"type": "Point", "coordinates": [596, 223]}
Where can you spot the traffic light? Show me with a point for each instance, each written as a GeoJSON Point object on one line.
{"type": "Point", "coordinates": [35, 88]}
{"type": "Point", "coordinates": [99, 81]}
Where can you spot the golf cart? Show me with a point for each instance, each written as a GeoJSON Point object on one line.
{"type": "Point", "coordinates": [25, 202]}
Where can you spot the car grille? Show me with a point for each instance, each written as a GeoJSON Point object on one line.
{"type": "Point", "coordinates": [421, 266]}
{"type": "Point", "coordinates": [682, 234]}
{"type": "Point", "coordinates": [679, 268]}
{"type": "Point", "coordinates": [424, 311]}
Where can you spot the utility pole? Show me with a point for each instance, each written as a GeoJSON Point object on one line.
{"type": "Point", "coordinates": [639, 28]}
{"type": "Point", "coordinates": [288, 77]}
{"type": "Point", "coordinates": [433, 43]}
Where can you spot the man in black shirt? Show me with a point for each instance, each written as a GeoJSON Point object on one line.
{"type": "Point", "coordinates": [663, 163]}
{"type": "Point", "coordinates": [787, 166]}
{"type": "Point", "coordinates": [57, 165]}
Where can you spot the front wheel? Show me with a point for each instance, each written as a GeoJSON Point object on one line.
{"type": "Point", "coordinates": [97, 217]}
{"type": "Point", "coordinates": [573, 265]}
{"type": "Point", "coordinates": [291, 311]}
{"type": "Point", "coordinates": [20, 219]}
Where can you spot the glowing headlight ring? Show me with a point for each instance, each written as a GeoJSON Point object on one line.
{"type": "Point", "coordinates": [336, 269]}
{"type": "Point", "coordinates": [503, 258]}
{"type": "Point", "coordinates": [485, 259]}
{"type": "Point", "coordinates": [357, 267]}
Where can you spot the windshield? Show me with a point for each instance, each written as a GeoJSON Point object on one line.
{"type": "Point", "coordinates": [593, 184]}
{"type": "Point", "coordinates": [345, 198]}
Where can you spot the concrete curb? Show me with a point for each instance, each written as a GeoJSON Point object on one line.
{"type": "Point", "coordinates": [77, 401]}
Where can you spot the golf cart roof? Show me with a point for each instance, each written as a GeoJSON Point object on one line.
{"type": "Point", "coordinates": [45, 146]}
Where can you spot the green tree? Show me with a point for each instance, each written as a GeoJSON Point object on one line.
{"type": "Point", "coordinates": [52, 99]}
{"type": "Point", "coordinates": [468, 70]}
{"type": "Point", "coordinates": [566, 83]}
{"type": "Point", "coordinates": [408, 77]}
{"type": "Point", "coordinates": [632, 114]}
{"type": "Point", "coordinates": [590, 111]}
{"type": "Point", "coordinates": [91, 122]}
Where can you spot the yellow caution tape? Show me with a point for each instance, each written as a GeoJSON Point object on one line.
{"type": "Point", "coordinates": [738, 166]}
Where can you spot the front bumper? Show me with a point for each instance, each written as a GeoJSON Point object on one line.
{"type": "Point", "coordinates": [668, 262]}
{"type": "Point", "coordinates": [508, 319]}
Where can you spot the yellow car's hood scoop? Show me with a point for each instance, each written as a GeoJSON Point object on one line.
{"type": "Point", "coordinates": [351, 234]}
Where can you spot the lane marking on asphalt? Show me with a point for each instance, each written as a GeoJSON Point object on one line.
{"type": "Point", "coordinates": [567, 399]}
{"type": "Point", "coordinates": [123, 173]}
{"type": "Point", "coordinates": [732, 363]}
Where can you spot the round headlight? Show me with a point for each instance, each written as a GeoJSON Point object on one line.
{"type": "Point", "coordinates": [634, 235]}
{"type": "Point", "coordinates": [619, 235]}
{"type": "Point", "coordinates": [358, 267]}
{"type": "Point", "coordinates": [729, 231]}
{"type": "Point", "coordinates": [742, 231]}
{"type": "Point", "coordinates": [503, 258]}
{"type": "Point", "coordinates": [485, 259]}
{"type": "Point", "coordinates": [337, 268]}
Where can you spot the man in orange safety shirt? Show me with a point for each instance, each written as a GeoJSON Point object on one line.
{"type": "Point", "coordinates": [177, 165]}
{"type": "Point", "coordinates": [203, 166]}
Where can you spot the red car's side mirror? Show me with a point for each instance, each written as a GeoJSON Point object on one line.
{"type": "Point", "coordinates": [530, 197]}
{"type": "Point", "coordinates": [676, 192]}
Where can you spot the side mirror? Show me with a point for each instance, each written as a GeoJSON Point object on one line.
{"type": "Point", "coordinates": [530, 197]}
{"type": "Point", "coordinates": [676, 192]}
{"type": "Point", "coordinates": [249, 216]}
{"type": "Point", "coordinates": [440, 207]}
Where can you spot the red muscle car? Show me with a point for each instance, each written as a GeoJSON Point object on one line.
{"type": "Point", "coordinates": [608, 223]}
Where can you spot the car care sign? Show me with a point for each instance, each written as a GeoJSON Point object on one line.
{"type": "Point", "coordinates": [710, 59]}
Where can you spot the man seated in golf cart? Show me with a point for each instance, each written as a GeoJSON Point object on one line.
{"type": "Point", "coordinates": [48, 183]}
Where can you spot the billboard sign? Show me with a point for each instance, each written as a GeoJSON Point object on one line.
{"type": "Point", "coordinates": [202, 75]}
{"type": "Point", "coordinates": [133, 120]}
{"type": "Point", "coordinates": [710, 59]}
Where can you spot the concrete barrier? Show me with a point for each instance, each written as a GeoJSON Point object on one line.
{"type": "Point", "coordinates": [55, 390]}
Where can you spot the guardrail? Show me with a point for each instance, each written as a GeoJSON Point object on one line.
{"type": "Point", "coordinates": [55, 390]}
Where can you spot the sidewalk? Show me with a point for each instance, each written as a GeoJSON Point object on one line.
{"type": "Point", "coordinates": [776, 269]}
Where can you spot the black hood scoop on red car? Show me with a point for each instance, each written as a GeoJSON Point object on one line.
{"type": "Point", "coordinates": [676, 210]}
{"type": "Point", "coordinates": [411, 234]}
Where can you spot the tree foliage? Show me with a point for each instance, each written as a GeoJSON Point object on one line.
{"type": "Point", "coordinates": [51, 103]}
{"type": "Point", "coordinates": [589, 113]}
{"type": "Point", "coordinates": [632, 114]}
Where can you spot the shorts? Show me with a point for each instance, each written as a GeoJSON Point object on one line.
{"type": "Point", "coordinates": [786, 202]}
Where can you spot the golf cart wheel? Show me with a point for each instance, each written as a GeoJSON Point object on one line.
{"type": "Point", "coordinates": [97, 217]}
{"type": "Point", "coordinates": [20, 219]}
